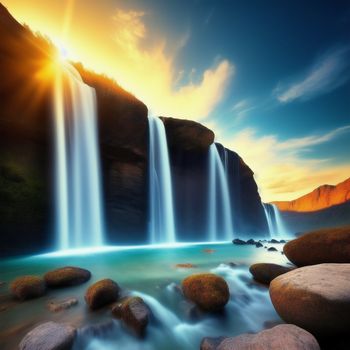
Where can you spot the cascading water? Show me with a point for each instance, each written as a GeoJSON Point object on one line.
{"type": "Point", "coordinates": [162, 221]}
{"type": "Point", "coordinates": [220, 227]}
{"type": "Point", "coordinates": [79, 218]}
{"type": "Point", "coordinates": [275, 221]}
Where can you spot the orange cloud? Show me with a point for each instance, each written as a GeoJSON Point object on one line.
{"type": "Point", "coordinates": [280, 170]}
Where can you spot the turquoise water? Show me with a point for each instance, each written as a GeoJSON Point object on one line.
{"type": "Point", "coordinates": [151, 273]}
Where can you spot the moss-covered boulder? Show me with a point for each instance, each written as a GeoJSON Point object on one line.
{"type": "Point", "coordinates": [66, 276]}
{"type": "Point", "coordinates": [28, 287]}
{"type": "Point", "coordinates": [134, 313]}
{"type": "Point", "coordinates": [208, 291]}
{"type": "Point", "coordinates": [102, 293]}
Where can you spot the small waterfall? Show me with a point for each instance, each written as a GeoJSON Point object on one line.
{"type": "Point", "coordinates": [78, 209]}
{"type": "Point", "coordinates": [275, 221]}
{"type": "Point", "coordinates": [220, 227]}
{"type": "Point", "coordinates": [162, 221]}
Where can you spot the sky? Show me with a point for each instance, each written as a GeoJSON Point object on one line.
{"type": "Point", "coordinates": [270, 78]}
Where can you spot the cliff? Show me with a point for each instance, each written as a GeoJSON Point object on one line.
{"type": "Point", "coordinates": [27, 164]}
{"type": "Point", "coordinates": [321, 198]}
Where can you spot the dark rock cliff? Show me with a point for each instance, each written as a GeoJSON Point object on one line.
{"type": "Point", "coordinates": [27, 164]}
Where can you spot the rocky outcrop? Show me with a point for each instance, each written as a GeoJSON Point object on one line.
{"type": "Point", "coordinates": [66, 276]}
{"type": "Point", "coordinates": [322, 197]}
{"type": "Point", "coordinates": [266, 272]}
{"type": "Point", "coordinates": [102, 293]}
{"type": "Point", "coordinates": [134, 313]}
{"type": "Point", "coordinates": [323, 246]}
{"type": "Point", "coordinates": [208, 291]}
{"type": "Point", "coordinates": [28, 287]}
{"type": "Point", "coordinates": [316, 298]}
{"type": "Point", "coordinates": [187, 135]}
{"type": "Point", "coordinates": [285, 336]}
{"type": "Point", "coordinates": [49, 336]}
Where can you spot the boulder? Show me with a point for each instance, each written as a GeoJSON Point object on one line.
{"type": "Point", "coordinates": [134, 313]}
{"type": "Point", "coordinates": [55, 306]}
{"type": "Point", "coordinates": [208, 291]}
{"type": "Point", "coordinates": [265, 272]}
{"type": "Point", "coordinates": [238, 241]}
{"type": "Point", "coordinates": [251, 241]}
{"type": "Point", "coordinates": [284, 336]}
{"type": "Point", "coordinates": [49, 336]}
{"type": "Point", "coordinates": [316, 298]}
{"type": "Point", "coordinates": [258, 245]}
{"type": "Point", "coordinates": [66, 276]}
{"type": "Point", "coordinates": [28, 287]}
{"type": "Point", "coordinates": [102, 293]}
{"type": "Point", "coordinates": [322, 246]}
{"type": "Point", "coordinates": [272, 249]}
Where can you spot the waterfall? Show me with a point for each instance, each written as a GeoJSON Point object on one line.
{"type": "Point", "coordinates": [78, 202]}
{"type": "Point", "coordinates": [220, 226]}
{"type": "Point", "coordinates": [162, 221]}
{"type": "Point", "coordinates": [275, 221]}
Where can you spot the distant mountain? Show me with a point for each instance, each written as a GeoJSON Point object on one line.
{"type": "Point", "coordinates": [321, 198]}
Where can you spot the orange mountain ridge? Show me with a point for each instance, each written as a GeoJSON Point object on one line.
{"type": "Point", "coordinates": [322, 197]}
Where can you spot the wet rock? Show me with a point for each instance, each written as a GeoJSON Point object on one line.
{"type": "Point", "coordinates": [134, 313]}
{"type": "Point", "coordinates": [251, 241]}
{"type": "Point", "coordinates": [49, 336]}
{"type": "Point", "coordinates": [56, 306]}
{"type": "Point", "coordinates": [322, 246]}
{"type": "Point", "coordinates": [238, 241]}
{"type": "Point", "coordinates": [316, 298]}
{"type": "Point", "coordinates": [102, 293]}
{"type": "Point", "coordinates": [28, 287]}
{"type": "Point", "coordinates": [186, 266]}
{"type": "Point", "coordinates": [273, 241]}
{"type": "Point", "coordinates": [265, 272]}
{"type": "Point", "coordinates": [66, 276]}
{"type": "Point", "coordinates": [272, 249]}
{"type": "Point", "coordinates": [208, 291]}
{"type": "Point", "coordinates": [285, 336]}
{"type": "Point", "coordinates": [258, 245]}
{"type": "Point", "coordinates": [283, 241]}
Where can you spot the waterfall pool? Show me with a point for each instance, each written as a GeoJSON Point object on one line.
{"type": "Point", "coordinates": [150, 272]}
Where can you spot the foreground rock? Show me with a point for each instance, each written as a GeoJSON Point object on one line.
{"type": "Point", "coordinates": [285, 336]}
{"type": "Point", "coordinates": [66, 276]}
{"type": "Point", "coordinates": [102, 293]}
{"type": "Point", "coordinates": [49, 336]}
{"type": "Point", "coordinates": [28, 287]}
{"type": "Point", "coordinates": [56, 306]}
{"type": "Point", "coordinates": [323, 246]}
{"type": "Point", "coordinates": [265, 272]}
{"type": "Point", "coordinates": [134, 313]}
{"type": "Point", "coordinates": [316, 298]}
{"type": "Point", "coordinates": [208, 291]}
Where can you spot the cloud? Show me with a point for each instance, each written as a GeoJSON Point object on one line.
{"type": "Point", "coordinates": [240, 110]}
{"type": "Point", "coordinates": [280, 169]}
{"type": "Point", "coordinates": [145, 67]}
{"type": "Point", "coordinates": [328, 73]}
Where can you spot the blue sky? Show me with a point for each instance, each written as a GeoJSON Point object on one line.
{"type": "Point", "coordinates": [271, 78]}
